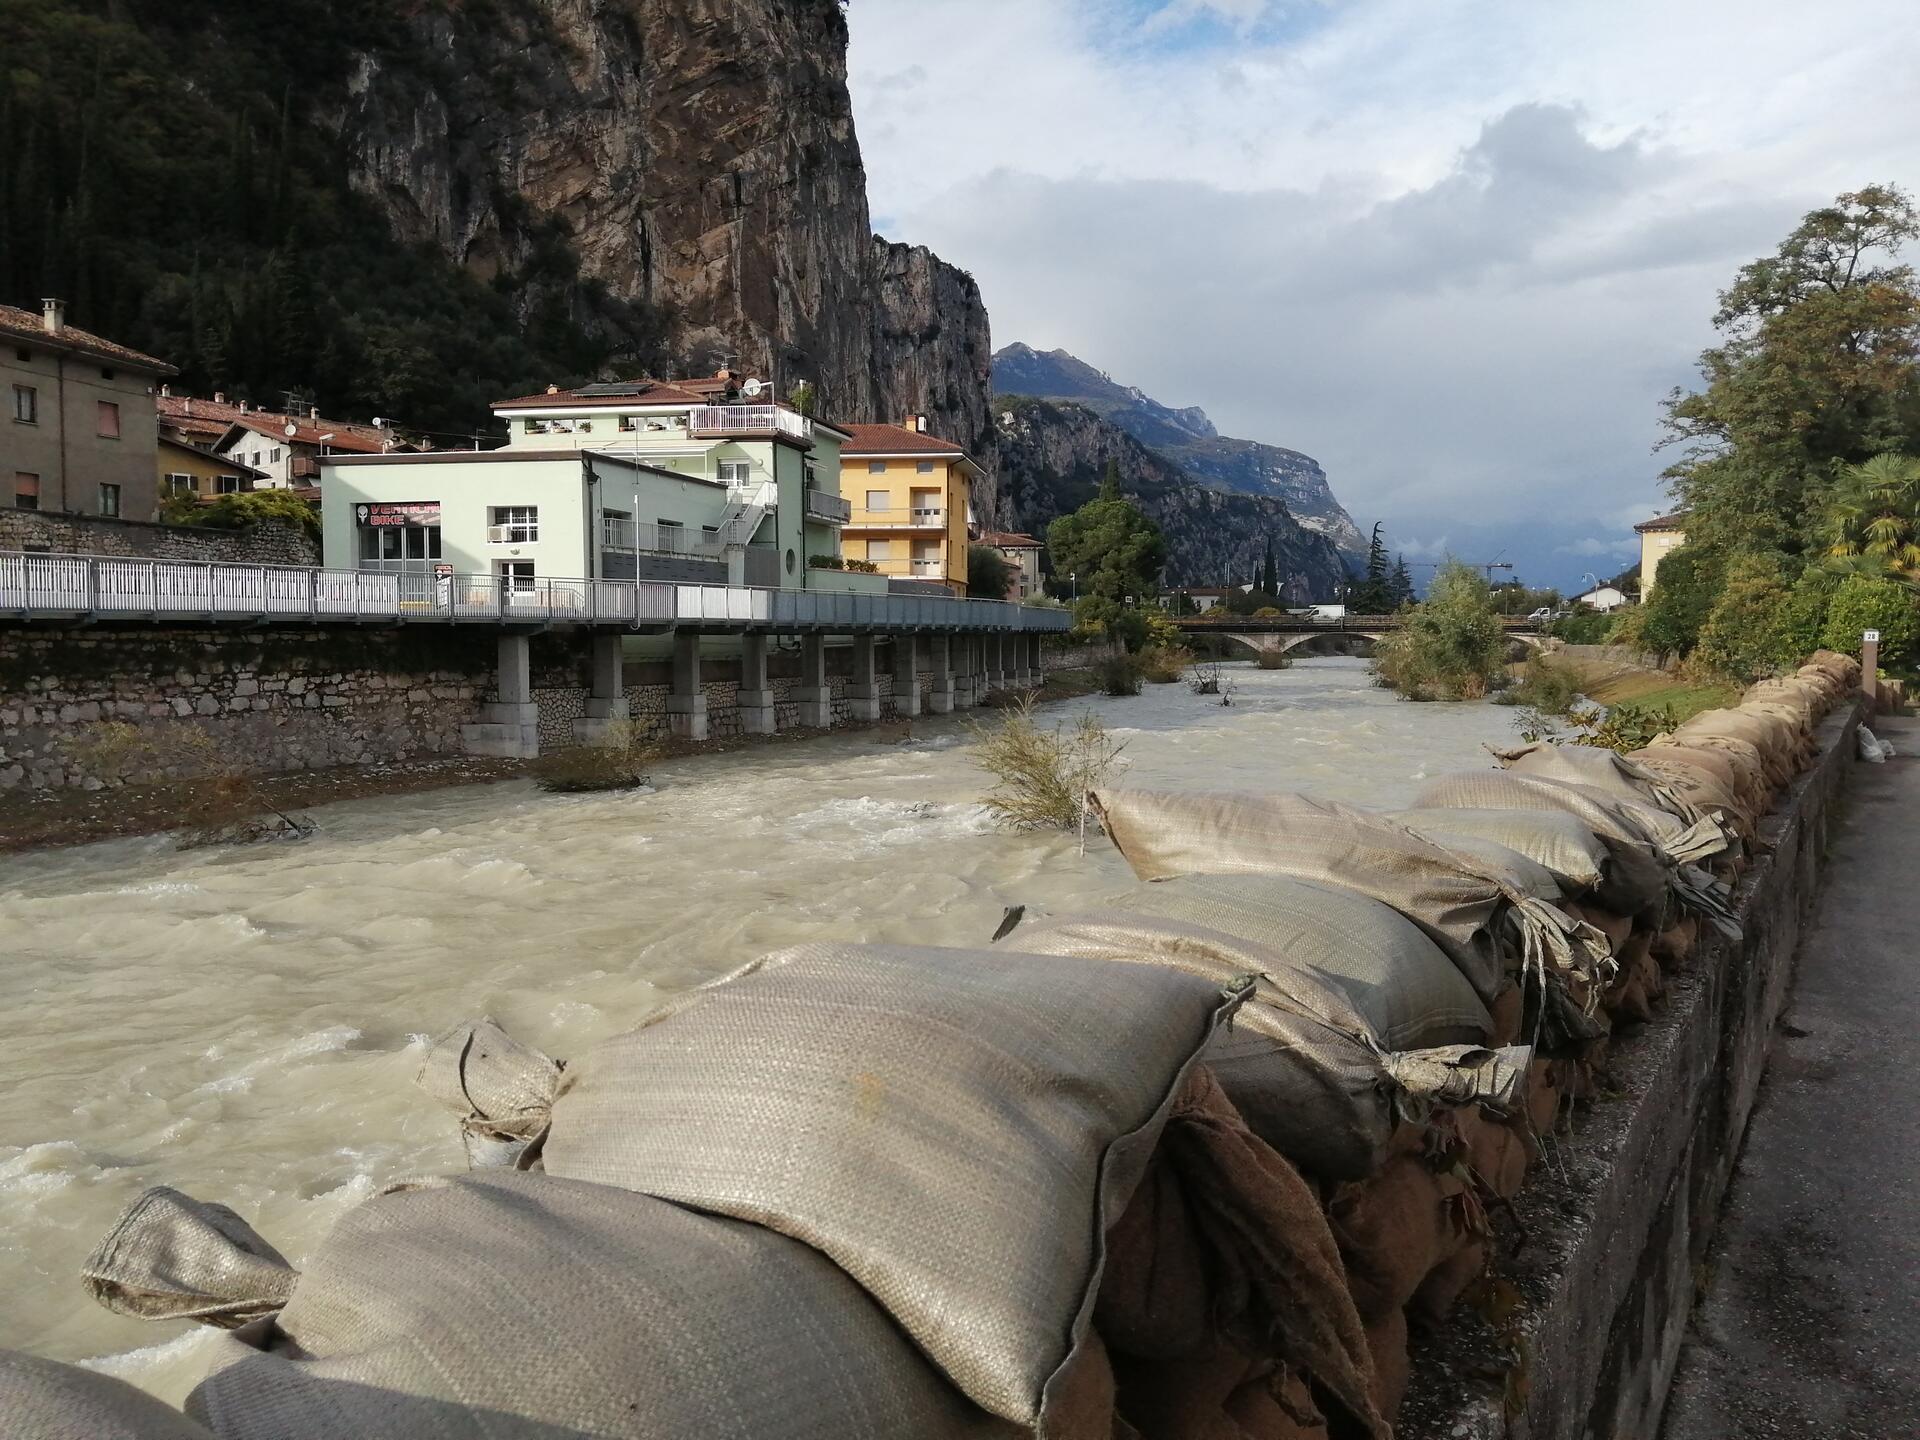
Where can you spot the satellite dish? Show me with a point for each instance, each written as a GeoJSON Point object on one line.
{"type": "Point", "coordinates": [752, 388]}
{"type": "Point", "coordinates": [292, 429]}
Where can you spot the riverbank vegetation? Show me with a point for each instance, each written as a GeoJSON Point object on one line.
{"type": "Point", "coordinates": [1450, 647]}
{"type": "Point", "coordinates": [1044, 774]}
{"type": "Point", "coordinates": [623, 760]}
{"type": "Point", "coordinates": [1114, 553]}
{"type": "Point", "coordinates": [1800, 471]}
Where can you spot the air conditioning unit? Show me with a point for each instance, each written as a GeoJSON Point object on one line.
{"type": "Point", "coordinates": [497, 534]}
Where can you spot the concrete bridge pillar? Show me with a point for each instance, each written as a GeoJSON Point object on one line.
{"type": "Point", "coordinates": [941, 697]}
{"type": "Point", "coordinates": [1036, 659]}
{"type": "Point", "coordinates": [965, 679]}
{"type": "Point", "coordinates": [863, 695]}
{"type": "Point", "coordinates": [606, 692]}
{"type": "Point", "coordinates": [509, 726]}
{"type": "Point", "coordinates": [756, 692]}
{"type": "Point", "coordinates": [906, 675]}
{"type": "Point", "coordinates": [687, 701]}
{"type": "Point", "coordinates": [993, 668]}
{"type": "Point", "coordinates": [814, 696]}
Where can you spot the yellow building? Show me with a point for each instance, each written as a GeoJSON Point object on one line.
{"type": "Point", "coordinates": [910, 493]}
{"type": "Point", "coordinates": [1659, 535]}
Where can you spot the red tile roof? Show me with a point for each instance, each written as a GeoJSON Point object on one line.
{"type": "Point", "coordinates": [1676, 521]}
{"type": "Point", "coordinates": [18, 324]}
{"type": "Point", "coordinates": [895, 440]}
{"type": "Point", "coordinates": [1009, 540]}
{"type": "Point", "coordinates": [334, 434]}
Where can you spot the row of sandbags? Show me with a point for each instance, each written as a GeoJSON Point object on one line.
{"type": "Point", "coordinates": [1185, 1168]}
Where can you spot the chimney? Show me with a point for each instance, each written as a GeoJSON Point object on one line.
{"type": "Point", "coordinates": [219, 397]}
{"type": "Point", "coordinates": [53, 316]}
{"type": "Point", "coordinates": [723, 373]}
{"type": "Point", "coordinates": [313, 412]}
{"type": "Point", "coordinates": [189, 406]}
{"type": "Point", "coordinates": [553, 389]}
{"type": "Point", "coordinates": [166, 392]}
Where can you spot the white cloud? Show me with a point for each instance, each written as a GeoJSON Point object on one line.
{"type": "Point", "coordinates": [1455, 249]}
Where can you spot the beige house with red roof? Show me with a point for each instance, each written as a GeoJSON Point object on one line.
{"type": "Point", "coordinates": [911, 493]}
{"type": "Point", "coordinates": [1023, 553]}
{"type": "Point", "coordinates": [78, 434]}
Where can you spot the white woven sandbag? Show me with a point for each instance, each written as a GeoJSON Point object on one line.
{"type": "Point", "coordinates": [954, 1128]}
{"type": "Point", "coordinates": [521, 1307]}
{"type": "Point", "coordinates": [45, 1400]}
{"type": "Point", "coordinates": [1481, 917]}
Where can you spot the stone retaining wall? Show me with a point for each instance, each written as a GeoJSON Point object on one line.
{"type": "Point", "coordinates": [95, 706]}
{"type": "Point", "coordinates": [269, 543]}
{"type": "Point", "coordinates": [1580, 1335]}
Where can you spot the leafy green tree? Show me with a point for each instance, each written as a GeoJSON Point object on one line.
{"type": "Point", "coordinates": [1741, 636]}
{"type": "Point", "coordinates": [1803, 620]}
{"type": "Point", "coordinates": [1816, 372]}
{"type": "Point", "coordinates": [1863, 602]}
{"type": "Point", "coordinates": [1682, 598]}
{"type": "Point", "coordinates": [1451, 647]}
{"type": "Point", "coordinates": [1875, 512]}
{"type": "Point", "coordinates": [989, 572]}
{"type": "Point", "coordinates": [246, 510]}
{"type": "Point", "coordinates": [1118, 554]}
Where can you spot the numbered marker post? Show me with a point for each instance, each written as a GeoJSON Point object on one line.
{"type": "Point", "coordinates": [1870, 665]}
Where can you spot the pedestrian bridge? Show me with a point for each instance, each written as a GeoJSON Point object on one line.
{"type": "Point", "coordinates": [1348, 634]}
{"type": "Point", "coordinates": [85, 588]}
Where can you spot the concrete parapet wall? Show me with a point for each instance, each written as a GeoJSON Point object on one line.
{"type": "Point", "coordinates": [1580, 1334]}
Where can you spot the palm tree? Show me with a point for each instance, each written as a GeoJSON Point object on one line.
{"type": "Point", "coordinates": [1874, 516]}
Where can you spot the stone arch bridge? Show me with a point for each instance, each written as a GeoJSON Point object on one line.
{"type": "Point", "coordinates": [1309, 635]}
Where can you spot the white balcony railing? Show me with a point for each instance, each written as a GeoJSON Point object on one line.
{"type": "Point", "coordinates": [750, 420]}
{"type": "Point", "coordinates": [898, 517]}
{"type": "Point", "coordinates": [85, 586]}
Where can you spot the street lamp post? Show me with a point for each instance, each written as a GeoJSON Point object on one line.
{"type": "Point", "coordinates": [1073, 579]}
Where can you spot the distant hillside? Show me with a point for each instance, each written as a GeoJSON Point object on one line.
{"type": "Point", "coordinates": [1052, 458]}
{"type": "Point", "coordinates": [1186, 437]}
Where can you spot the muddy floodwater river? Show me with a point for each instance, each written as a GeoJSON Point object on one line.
{"type": "Point", "coordinates": [244, 1024]}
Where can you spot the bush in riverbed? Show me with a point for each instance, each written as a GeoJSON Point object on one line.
{"type": "Point", "coordinates": [1043, 776]}
{"type": "Point", "coordinates": [1545, 685]}
{"type": "Point", "coordinates": [1119, 674]}
{"type": "Point", "coordinates": [623, 762]}
{"type": "Point", "coordinates": [218, 802]}
{"type": "Point", "coordinates": [1449, 648]}
{"type": "Point", "coordinates": [1165, 664]}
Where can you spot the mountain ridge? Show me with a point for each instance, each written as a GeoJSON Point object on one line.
{"type": "Point", "coordinates": [1185, 436]}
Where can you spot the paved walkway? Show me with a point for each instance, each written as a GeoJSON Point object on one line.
{"type": "Point", "coordinates": [1811, 1325]}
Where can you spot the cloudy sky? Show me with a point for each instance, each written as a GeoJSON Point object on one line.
{"type": "Point", "coordinates": [1457, 250]}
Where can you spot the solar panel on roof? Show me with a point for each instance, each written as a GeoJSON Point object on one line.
{"type": "Point", "coordinates": [617, 388]}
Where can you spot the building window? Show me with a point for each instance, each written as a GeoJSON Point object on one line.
{"type": "Point", "coordinates": [732, 472]}
{"type": "Point", "coordinates": [227, 485]}
{"type": "Point", "coordinates": [876, 467]}
{"type": "Point", "coordinates": [110, 501]}
{"type": "Point", "coordinates": [109, 414]}
{"type": "Point", "coordinates": [535, 427]}
{"type": "Point", "coordinates": [26, 404]}
{"type": "Point", "coordinates": [23, 355]}
{"type": "Point", "coordinates": [105, 373]}
{"type": "Point", "coordinates": [923, 467]}
{"type": "Point", "coordinates": [877, 500]}
{"type": "Point", "coordinates": [179, 484]}
{"type": "Point", "coordinates": [516, 576]}
{"type": "Point", "coordinates": [399, 547]}
{"type": "Point", "coordinates": [879, 550]}
{"type": "Point", "coordinates": [26, 490]}
{"type": "Point", "coordinates": [276, 454]}
{"type": "Point", "coordinates": [514, 524]}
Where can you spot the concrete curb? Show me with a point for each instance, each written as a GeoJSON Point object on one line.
{"type": "Point", "coordinates": [1581, 1338]}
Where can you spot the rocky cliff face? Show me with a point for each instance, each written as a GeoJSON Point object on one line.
{"type": "Point", "coordinates": [692, 157]}
{"type": "Point", "coordinates": [1052, 458]}
{"type": "Point", "coordinates": [1187, 437]}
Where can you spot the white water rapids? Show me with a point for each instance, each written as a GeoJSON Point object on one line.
{"type": "Point", "coordinates": [244, 1024]}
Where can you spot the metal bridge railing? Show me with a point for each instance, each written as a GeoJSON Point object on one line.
{"type": "Point", "coordinates": [90, 586]}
